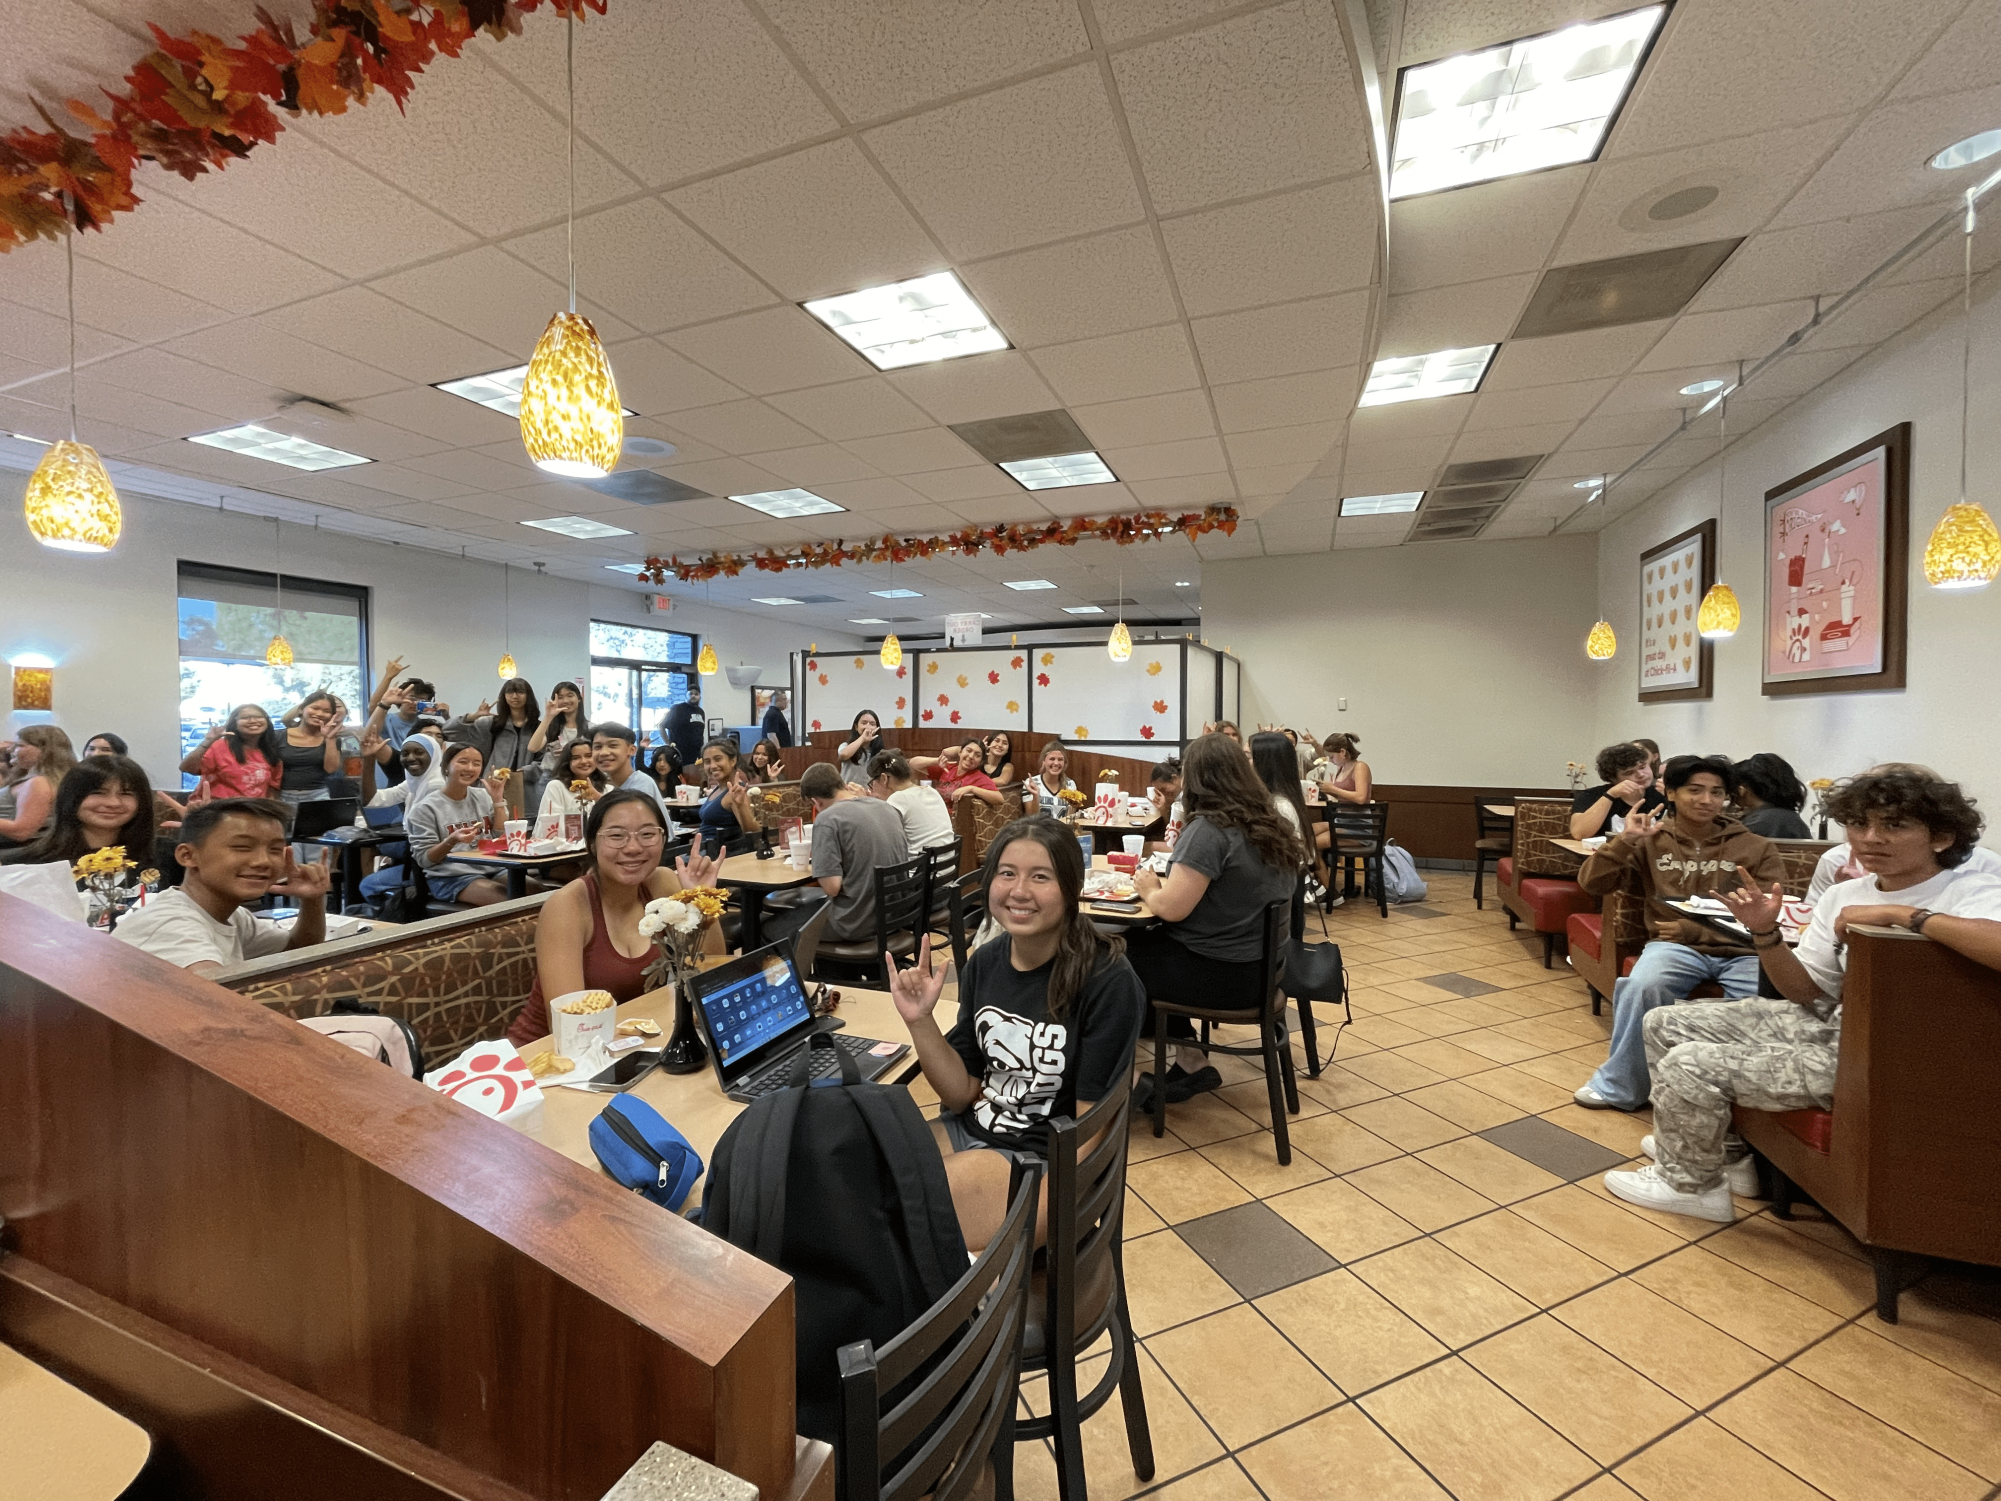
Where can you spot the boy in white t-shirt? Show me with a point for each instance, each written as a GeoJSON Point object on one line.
{"type": "Point", "coordinates": [1913, 833]}
{"type": "Point", "coordinates": [234, 851]}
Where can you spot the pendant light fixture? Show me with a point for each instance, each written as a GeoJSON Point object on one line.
{"type": "Point", "coordinates": [892, 652]}
{"type": "Point", "coordinates": [279, 652]}
{"type": "Point", "coordinates": [1601, 645]}
{"type": "Point", "coordinates": [1719, 615]}
{"type": "Point", "coordinates": [706, 664]}
{"type": "Point", "coordinates": [1965, 549]}
{"type": "Point", "coordinates": [1120, 644]}
{"type": "Point", "coordinates": [571, 422]}
{"type": "Point", "coordinates": [507, 668]}
{"type": "Point", "coordinates": [70, 502]}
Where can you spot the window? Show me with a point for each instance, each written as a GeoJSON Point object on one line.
{"type": "Point", "coordinates": [227, 619]}
{"type": "Point", "coordinates": [638, 673]}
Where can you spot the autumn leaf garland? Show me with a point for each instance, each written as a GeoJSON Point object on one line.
{"type": "Point", "coordinates": [198, 102]}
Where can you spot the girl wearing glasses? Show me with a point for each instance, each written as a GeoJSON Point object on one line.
{"type": "Point", "coordinates": [587, 935]}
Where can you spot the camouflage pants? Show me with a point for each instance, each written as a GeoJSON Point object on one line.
{"type": "Point", "coordinates": [1766, 1054]}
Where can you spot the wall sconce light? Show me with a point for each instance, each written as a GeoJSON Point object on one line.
{"type": "Point", "coordinates": [34, 687]}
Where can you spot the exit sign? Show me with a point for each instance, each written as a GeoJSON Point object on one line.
{"type": "Point", "coordinates": [657, 604]}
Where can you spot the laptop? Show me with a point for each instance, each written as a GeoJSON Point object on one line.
{"type": "Point", "coordinates": [753, 1012]}
{"type": "Point", "coordinates": [313, 820]}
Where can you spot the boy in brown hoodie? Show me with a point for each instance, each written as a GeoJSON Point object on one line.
{"type": "Point", "coordinates": [1693, 852]}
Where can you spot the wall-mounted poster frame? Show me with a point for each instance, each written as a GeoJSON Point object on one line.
{"type": "Point", "coordinates": [1674, 576]}
{"type": "Point", "coordinates": [1836, 545]}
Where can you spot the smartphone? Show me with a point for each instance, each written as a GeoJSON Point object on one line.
{"type": "Point", "coordinates": [1107, 904]}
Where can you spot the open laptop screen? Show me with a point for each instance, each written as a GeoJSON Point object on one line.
{"type": "Point", "coordinates": [750, 1002]}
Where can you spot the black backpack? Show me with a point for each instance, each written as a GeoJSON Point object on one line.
{"type": "Point", "coordinates": [842, 1186]}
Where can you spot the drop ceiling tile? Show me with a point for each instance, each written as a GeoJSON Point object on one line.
{"type": "Point", "coordinates": [1476, 312]}
{"type": "Point", "coordinates": [1326, 395]}
{"type": "Point", "coordinates": [643, 262]}
{"type": "Point", "coordinates": [97, 402]}
{"type": "Point", "coordinates": [1796, 374]}
{"type": "Point", "coordinates": [912, 453]}
{"type": "Point", "coordinates": [1147, 419]}
{"type": "Point", "coordinates": [1356, 531]}
{"type": "Point", "coordinates": [1307, 535]}
{"type": "Point", "coordinates": [1882, 312]}
{"type": "Point", "coordinates": [742, 427]}
{"type": "Point", "coordinates": [1520, 219]}
{"type": "Point", "coordinates": [261, 352]}
{"type": "Point", "coordinates": [814, 465]}
{"type": "Point", "coordinates": [814, 223]}
{"type": "Point", "coordinates": [958, 485]}
{"type": "Point", "coordinates": [412, 484]}
{"type": "Point", "coordinates": [1038, 161]}
{"type": "Point", "coordinates": [1401, 453]}
{"type": "Point", "coordinates": [494, 298]}
{"type": "Point", "coordinates": [1508, 525]}
{"type": "Point", "coordinates": [777, 349]}
{"type": "Point", "coordinates": [852, 409]}
{"type": "Point", "coordinates": [1753, 176]}
{"type": "Point", "coordinates": [1183, 490]}
{"type": "Point", "coordinates": [1320, 333]}
{"type": "Point", "coordinates": [725, 477]}
{"type": "Point", "coordinates": [317, 205]}
{"type": "Point", "coordinates": [1714, 72]}
{"type": "Point", "coordinates": [174, 246]}
{"type": "Point", "coordinates": [1508, 443]}
{"type": "Point", "coordinates": [1304, 444]}
{"type": "Point", "coordinates": [1615, 429]}
{"type": "Point", "coordinates": [1256, 103]}
{"type": "Point", "coordinates": [1715, 338]}
{"type": "Point", "coordinates": [1967, 55]}
{"type": "Point", "coordinates": [1276, 249]}
{"type": "Point", "coordinates": [364, 325]}
{"type": "Point", "coordinates": [1001, 384]}
{"type": "Point", "coordinates": [653, 379]}
{"type": "Point", "coordinates": [41, 340]}
{"type": "Point", "coordinates": [107, 298]}
{"type": "Point", "coordinates": [1104, 284]}
{"type": "Point", "coordinates": [477, 471]}
{"type": "Point", "coordinates": [1590, 355]}
{"type": "Point", "coordinates": [218, 392]}
{"type": "Point", "coordinates": [1881, 165]}
{"type": "Point", "coordinates": [1146, 362]}
{"type": "Point", "coordinates": [1814, 258]}
{"type": "Point", "coordinates": [1003, 510]}
{"type": "Point", "coordinates": [449, 419]}
{"type": "Point", "coordinates": [1539, 404]}
{"type": "Point", "coordinates": [1410, 419]}
{"type": "Point", "coordinates": [910, 520]}
{"type": "Point", "coordinates": [875, 61]}
{"type": "Point", "coordinates": [1167, 460]}
{"type": "Point", "coordinates": [1265, 484]}
{"type": "Point", "coordinates": [661, 88]}
{"type": "Point", "coordinates": [1583, 463]}
{"type": "Point", "coordinates": [1440, 28]}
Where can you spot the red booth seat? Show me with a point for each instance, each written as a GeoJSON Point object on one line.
{"type": "Point", "coordinates": [1813, 1127]}
{"type": "Point", "coordinates": [1586, 933]}
{"type": "Point", "coordinates": [1504, 870]}
{"type": "Point", "coordinates": [1551, 901]}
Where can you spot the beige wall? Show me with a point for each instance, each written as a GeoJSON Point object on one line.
{"type": "Point", "coordinates": [1462, 662]}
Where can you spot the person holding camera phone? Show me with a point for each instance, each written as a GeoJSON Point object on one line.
{"type": "Point", "coordinates": [858, 753]}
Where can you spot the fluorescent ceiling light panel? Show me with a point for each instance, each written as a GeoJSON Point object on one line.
{"type": "Point", "coordinates": [773, 599]}
{"type": "Point", "coordinates": [1083, 610]}
{"type": "Point", "coordinates": [1028, 584]}
{"type": "Point", "coordinates": [869, 620]}
{"type": "Point", "coordinates": [913, 322]}
{"type": "Point", "coordinates": [1058, 470]}
{"type": "Point", "coordinates": [581, 527]}
{"type": "Point", "coordinates": [1418, 377]}
{"type": "Point", "coordinates": [1526, 105]}
{"type": "Point", "coordinates": [626, 567]}
{"type": "Point", "coordinates": [1381, 505]}
{"type": "Point", "coordinates": [896, 593]}
{"type": "Point", "coordinates": [784, 503]}
{"type": "Point", "coordinates": [1184, 583]}
{"type": "Point", "coordinates": [1702, 388]}
{"type": "Point", "coordinates": [500, 390]}
{"type": "Point", "coordinates": [255, 442]}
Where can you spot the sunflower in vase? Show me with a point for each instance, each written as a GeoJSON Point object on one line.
{"type": "Point", "coordinates": [101, 873]}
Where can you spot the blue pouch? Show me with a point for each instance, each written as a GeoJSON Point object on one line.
{"type": "Point", "coordinates": [642, 1152]}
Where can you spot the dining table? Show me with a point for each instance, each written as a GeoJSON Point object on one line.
{"type": "Point", "coordinates": [754, 878]}
{"type": "Point", "coordinates": [516, 868]}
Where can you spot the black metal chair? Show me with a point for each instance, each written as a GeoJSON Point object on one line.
{"type": "Point", "coordinates": [1356, 836]}
{"type": "Point", "coordinates": [942, 874]}
{"type": "Point", "coordinates": [1493, 837]}
{"type": "Point", "coordinates": [1081, 1287]}
{"type": "Point", "coordinates": [965, 906]}
{"type": "Point", "coordinates": [1267, 1015]}
{"type": "Point", "coordinates": [901, 892]}
{"type": "Point", "coordinates": [924, 1415]}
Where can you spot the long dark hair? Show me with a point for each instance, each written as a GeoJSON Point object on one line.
{"type": "Point", "coordinates": [1277, 766]}
{"type": "Point", "coordinates": [593, 776]}
{"type": "Point", "coordinates": [987, 762]}
{"type": "Point", "coordinates": [531, 712]}
{"type": "Point", "coordinates": [265, 744]}
{"type": "Point", "coordinates": [1081, 949]}
{"type": "Point", "coordinates": [306, 703]}
{"type": "Point", "coordinates": [560, 720]}
{"type": "Point", "coordinates": [1217, 783]}
{"type": "Point", "coordinates": [1771, 779]}
{"type": "Point", "coordinates": [671, 754]}
{"type": "Point", "coordinates": [619, 799]}
{"type": "Point", "coordinates": [774, 760]}
{"type": "Point", "coordinates": [116, 742]}
{"type": "Point", "coordinates": [66, 840]}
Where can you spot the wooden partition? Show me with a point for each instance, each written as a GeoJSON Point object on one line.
{"type": "Point", "coordinates": [311, 1277]}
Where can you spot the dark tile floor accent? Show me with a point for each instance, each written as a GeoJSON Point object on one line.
{"type": "Point", "coordinates": [1254, 1250]}
{"type": "Point", "coordinates": [1553, 1149]}
{"type": "Point", "coordinates": [1418, 909]}
{"type": "Point", "coordinates": [1462, 985]}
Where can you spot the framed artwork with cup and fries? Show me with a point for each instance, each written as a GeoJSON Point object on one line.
{"type": "Point", "coordinates": [1836, 564]}
{"type": "Point", "coordinates": [1674, 659]}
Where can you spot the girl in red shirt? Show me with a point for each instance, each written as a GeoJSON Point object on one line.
{"type": "Point", "coordinates": [238, 758]}
{"type": "Point", "coordinates": [962, 774]}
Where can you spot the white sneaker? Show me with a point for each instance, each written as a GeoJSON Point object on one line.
{"type": "Point", "coordinates": [1646, 1188]}
{"type": "Point", "coordinates": [1590, 1099]}
{"type": "Point", "coordinates": [1740, 1177]}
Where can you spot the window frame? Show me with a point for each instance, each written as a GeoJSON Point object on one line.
{"type": "Point", "coordinates": [638, 665]}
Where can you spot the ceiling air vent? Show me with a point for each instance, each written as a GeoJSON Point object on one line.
{"type": "Point", "coordinates": [1482, 471]}
{"type": "Point", "coordinates": [1462, 497]}
{"type": "Point", "coordinates": [1027, 435]}
{"type": "Point", "coordinates": [644, 487]}
{"type": "Point", "coordinates": [1624, 289]}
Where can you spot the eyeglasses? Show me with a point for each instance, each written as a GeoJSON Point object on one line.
{"type": "Point", "coordinates": [646, 839]}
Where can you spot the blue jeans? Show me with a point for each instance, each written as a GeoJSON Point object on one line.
{"type": "Point", "coordinates": [1665, 973]}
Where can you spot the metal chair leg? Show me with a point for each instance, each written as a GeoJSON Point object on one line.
{"type": "Point", "coordinates": [1308, 1036]}
{"type": "Point", "coordinates": [1889, 1265]}
{"type": "Point", "coordinates": [1157, 1106]}
{"type": "Point", "coordinates": [1275, 1090]}
{"type": "Point", "coordinates": [1132, 1396]}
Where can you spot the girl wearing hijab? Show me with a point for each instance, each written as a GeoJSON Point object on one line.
{"type": "Point", "coordinates": [422, 775]}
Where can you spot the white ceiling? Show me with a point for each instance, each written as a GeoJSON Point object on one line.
{"type": "Point", "coordinates": [1171, 210]}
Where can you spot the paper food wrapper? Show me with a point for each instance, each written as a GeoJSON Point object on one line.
{"type": "Point", "coordinates": [591, 1062]}
{"type": "Point", "coordinates": [50, 886]}
{"type": "Point", "coordinates": [574, 1033]}
{"type": "Point", "coordinates": [492, 1078]}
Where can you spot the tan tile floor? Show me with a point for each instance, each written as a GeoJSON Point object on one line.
{"type": "Point", "coordinates": [1414, 1309]}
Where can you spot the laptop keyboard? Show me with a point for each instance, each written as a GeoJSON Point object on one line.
{"type": "Point", "coordinates": [822, 1065]}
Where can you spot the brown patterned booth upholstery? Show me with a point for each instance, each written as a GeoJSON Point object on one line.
{"type": "Point", "coordinates": [976, 823]}
{"type": "Point", "coordinates": [454, 979]}
{"type": "Point", "coordinates": [1539, 881]}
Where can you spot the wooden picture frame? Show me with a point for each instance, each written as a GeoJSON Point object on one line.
{"type": "Point", "coordinates": [1836, 565]}
{"type": "Point", "coordinates": [1674, 576]}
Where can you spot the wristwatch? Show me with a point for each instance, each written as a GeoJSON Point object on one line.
{"type": "Point", "coordinates": [1919, 918]}
{"type": "Point", "coordinates": [1776, 936]}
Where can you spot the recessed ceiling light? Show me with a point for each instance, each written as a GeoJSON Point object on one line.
{"type": "Point", "coordinates": [255, 442]}
{"type": "Point", "coordinates": [774, 599]}
{"type": "Point", "coordinates": [577, 526]}
{"type": "Point", "coordinates": [626, 567]}
{"type": "Point", "coordinates": [500, 390]}
{"type": "Point", "coordinates": [1418, 377]}
{"type": "Point", "coordinates": [1028, 584]}
{"type": "Point", "coordinates": [1184, 584]}
{"type": "Point", "coordinates": [38, 442]}
{"type": "Point", "coordinates": [1381, 505]}
{"type": "Point", "coordinates": [1697, 388]}
{"type": "Point", "coordinates": [910, 322]}
{"type": "Point", "coordinates": [1965, 153]}
{"type": "Point", "coordinates": [788, 503]}
{"type": "Point", "coordinates": [869, 620]}
{"type": "Point", "coordinates": [1083, 610]}
{"type": "Point", "coordinates": [896, 593]}
{"type": "Point", "coordinates": [1597, 482]}
{"type": "Point", "coordinates": [1538, 102]}
{"type": "Point", "coordinates": [1058, 470]}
